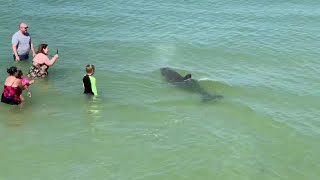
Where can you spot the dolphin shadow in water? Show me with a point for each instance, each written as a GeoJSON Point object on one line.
{"type": "Point", "coordinates": [188, 83]}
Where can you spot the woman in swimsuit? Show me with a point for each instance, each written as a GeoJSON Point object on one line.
{"type": "Point", "coordinates": [41, 62]}
{"type": "Point", "coordinates": [12, 88]}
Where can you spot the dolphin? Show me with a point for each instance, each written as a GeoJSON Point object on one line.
{"type": "Point", "coordinates": [187, 82]}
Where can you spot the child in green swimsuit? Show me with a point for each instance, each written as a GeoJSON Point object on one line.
{"type": "Point", "coordinates": [89, 82]}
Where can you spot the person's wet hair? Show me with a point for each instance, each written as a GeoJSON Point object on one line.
{"type": "Point", "coordinates": [12, 70]}
{"type": "Point", "coordinates": [20, 74]}
{"type": "Point", "coordinates": [41, 47]}
{"type": "Point", "coordinates": [90, 68]}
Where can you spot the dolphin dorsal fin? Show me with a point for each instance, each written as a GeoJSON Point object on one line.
{"type": "Point", "coordinates": [188, 76]}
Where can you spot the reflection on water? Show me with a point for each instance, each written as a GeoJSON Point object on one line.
{"type": "Point", "coordinates": [91, 105]}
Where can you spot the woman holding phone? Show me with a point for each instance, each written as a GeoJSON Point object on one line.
{"type": "Point", "coordinates": [41, 62]}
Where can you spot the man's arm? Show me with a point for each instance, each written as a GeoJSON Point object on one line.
{"type": "Point", "coordinates": [32, 49]}
{"type": "Point", "coordinates": [14, 47]}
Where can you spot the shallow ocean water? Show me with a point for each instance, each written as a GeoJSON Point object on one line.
{"type": "Point", "coordinates": [261, 56]}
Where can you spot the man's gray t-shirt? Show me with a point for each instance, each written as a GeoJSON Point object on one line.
{"type": "Point", "coordinates": [22, 41]}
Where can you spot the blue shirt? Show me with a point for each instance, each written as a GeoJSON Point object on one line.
{"type": "Point", "coordinates": [23, 42]}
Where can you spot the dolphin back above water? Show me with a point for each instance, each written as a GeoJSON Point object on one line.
{"type": "Point", "coordinates": [187, 82]}
{"type": "Point", "coordinates": [173, 76]}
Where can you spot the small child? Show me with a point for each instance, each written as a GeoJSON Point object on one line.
{"type": "Point", "coordinates": [25, 82]}
{"type": "Point", "coordinates": [89, 82]}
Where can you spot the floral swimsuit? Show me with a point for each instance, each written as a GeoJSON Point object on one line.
{"type": "Point", "coordinates": [40, 70]}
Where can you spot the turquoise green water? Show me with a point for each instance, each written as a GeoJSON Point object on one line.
{"type": "Point", "coordinates": [262, 56]}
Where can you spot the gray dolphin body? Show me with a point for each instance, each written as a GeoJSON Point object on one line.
{"type": "Point", "coordinates": [187, 83]}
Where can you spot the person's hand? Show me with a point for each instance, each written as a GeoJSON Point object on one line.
{"type": "Point", "coordinates": [17, 58]}
{"type": "Point", "coordinates": [31, 82]}
{"type": "Point", "coordinates": [56, 56]}
{"type": "Point", "coordinates": [33, 54]}
{"type": "Point", "coordinates": [29, 93]}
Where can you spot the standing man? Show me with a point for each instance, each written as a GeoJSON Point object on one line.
{"type": "Point", "coordinates": [22, 44]}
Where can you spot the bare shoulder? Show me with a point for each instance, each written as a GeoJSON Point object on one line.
{"type": "Point", "coordinates": [40, 58]}
{"type": "Point", "coordinates": [40, 55]}
{"type": "Point", "coordinates": [9, 79]}
{"type": "Point", "coordinates": [12, 81]}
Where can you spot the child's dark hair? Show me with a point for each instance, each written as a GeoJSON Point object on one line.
{"type": "Point", "coordinates": [12, 70]}
{"type": "Point", "coordinates": [20, 74]}
{"type": "Point", "coordinates": [90, 68]}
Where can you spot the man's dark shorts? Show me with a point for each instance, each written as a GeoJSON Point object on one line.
{"type": "Point", "coordinates": [22, 57]}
